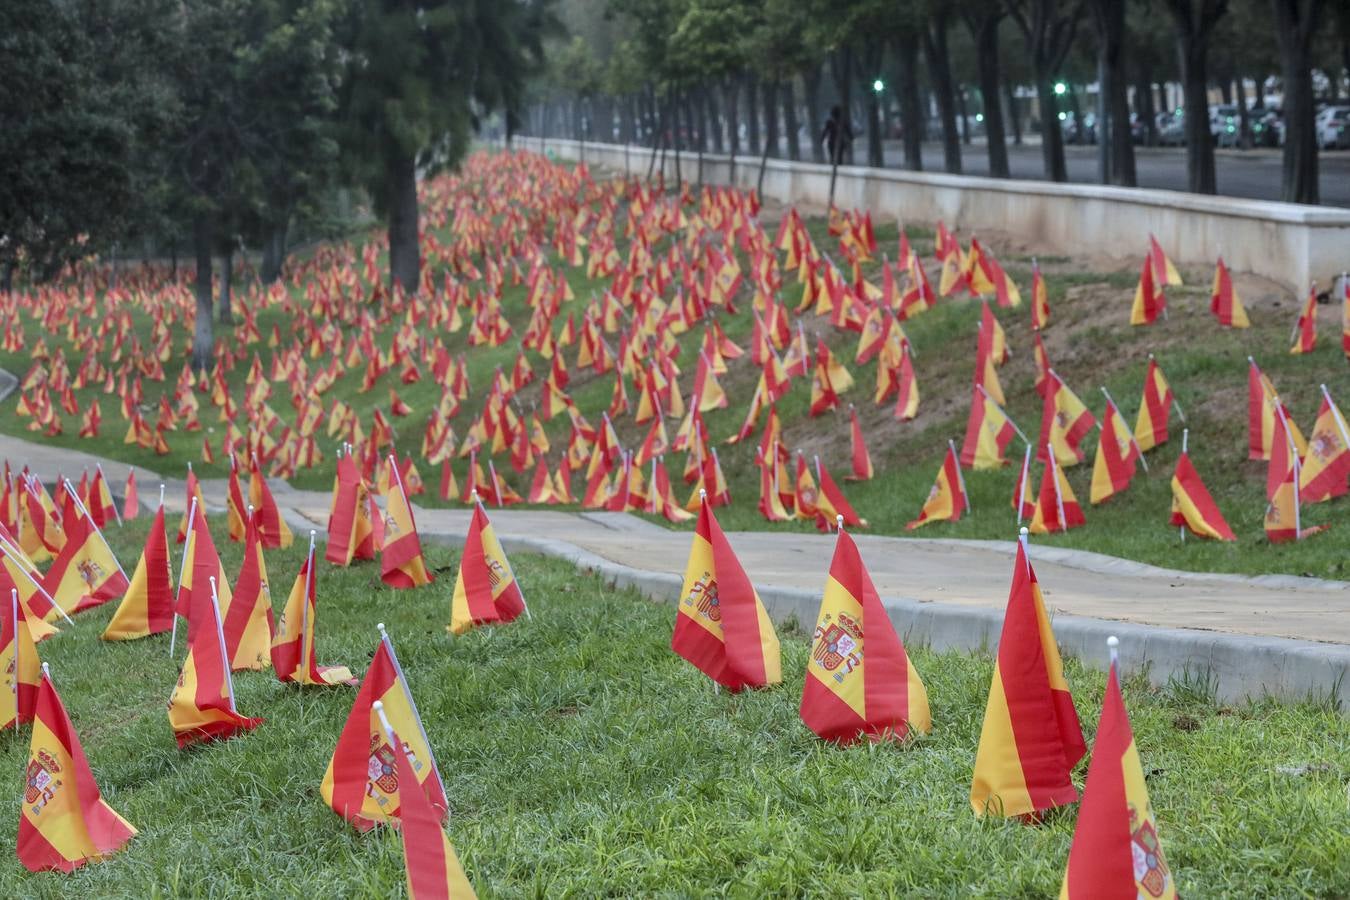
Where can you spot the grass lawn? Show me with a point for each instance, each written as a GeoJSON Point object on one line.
{"type": "Point", "coordinates": [583, 758]}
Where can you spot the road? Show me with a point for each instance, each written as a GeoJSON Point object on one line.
{"type": "Point", "coordinates": [1247, 173]}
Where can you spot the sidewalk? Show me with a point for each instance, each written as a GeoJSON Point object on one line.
{"type": "Point", "coordinates": [1283, 635]}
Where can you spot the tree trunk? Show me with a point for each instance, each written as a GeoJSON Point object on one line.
{"type": "Point", "coordinates": [677, 140]}
{"type": "Point", "coordinates": [1052, 136]}
{"type": "Point", "coordinates": [1199, 142]}
{"type": "Point", "coordinates": [173, 260]}
{"type": "Point", "coordinates": [752, 111]}
{"type": "Point", "coordinates": [1295, 25]}
{"type": "Point", "coordinates": [770, 89]}
{"type": "Point", "coordinates": [842, 64]}
{"type": "Point", "coordinates": [985, 34]}
{"type": "Point", "coordinates": [790, 124]}
{"type": "Point", "coordinates": [1244, 120]}
{"type": "Point", "coordinates": [911, 107]}
{"type": "Point", "coordinates": [1014, 114]}
{"type": "Point", "coordinates": [811, 83]}
{"type": "Point", "coordinates": [731, 93]}
{"type": "Point", "coordinates": [940, 76]}
{"type": "Point", "coordinates": [274, 251]}
{"type": "Point", "coordinates": [203, 341]}
{"type": "Point", "coordinates": [404, 253]}
{"type": "Point", "coordinates": [226, 284]}
{"type": "Point", "coordinates": [1113, 119]}
{"type": "Point", "coordinates": [714, 120]}
{"type": "Point", "coordinates": [7, 276]}
{"type": "Point", "coordinates": [1143, 105]}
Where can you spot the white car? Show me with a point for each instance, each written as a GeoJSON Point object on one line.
{"type": "Point", "coordinates": [1332, 128]}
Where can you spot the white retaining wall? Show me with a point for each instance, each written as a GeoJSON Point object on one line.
{"type": "Point", "coordinates": [1286, 242]}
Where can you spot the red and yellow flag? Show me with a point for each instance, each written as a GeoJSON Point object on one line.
{"type": "Point", "coordinates": [859, 680]}
{"type": "Point", "coordinates": [201, 708]}
{"type": "Point", "coordinates": [947, 499]}
{"type": "Point", "coordinates": [362, 781]}
{"type": "Point", "coordinates": [1040, 298]}
{"type": "Point", "coordinates": [401, 562]}
{"type": "Point", "coordinates": [1264, 407]}
{"type": "Point", "coordinates": [1192, 506]}
{"type": "Point", "coordinates": [85, 573]}
{"type": "Point", "coordinates": [1149, 299]}
{"type": "Point", "coordinates": [989, 431]}
{"type": "Point", "coordinates": [194, 492]}
{"type": "Point", "coordinates": [433, 869]}
{"type": "Point", "coordinates": [247, 618]}
{"type": "Point", "coordinates": [1305, 329]}
{"type": "Point", "coordinates": [293, 646]}
{"type": "Point", "coordinates": [1284, 518]}
{"type": "Point", "coordinates": [1117, 452]}
{"type": "Point", "coordinates": [64, 821]}
{"type": "Point", "coordinates": [200, 563]}
{"type": "Point", "coordinates": [486, 590]}
{"type": "Point", "coordinates": [1065, 421]}
{"type": "Point", "coordinates": [147, 606]}
{"type": "Point", "coordinates": [1155, 409]}
{"type": "Point", "coordinates": [721, 626]}
{"type": "Point", "coordinates": [1224, 301]}
{"type": "Point", "coordinates": [1326, 467]}
{"type": "Point", "coordinates": [271, 526]}
{"type": "Point", "coordinates": [1116, 854]}
{"type": "Point", "coordinates": [1057, 509]}
{"type": "Point", "coordinates": [20, 662]}
{"type": "Point", "coordinates": [1031, 739]}
{"type": "Point", "coordinates": [1163, 270]}
{"type": "Point", "coordinates": [861, 459]}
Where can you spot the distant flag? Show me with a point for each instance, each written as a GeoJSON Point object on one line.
{"type": "Point", "coordinates": [1057, 509]}
{"type": "Point", "coordinates": [293, 646]}
{"type": "Point", "coordinates": [102, 509]}
{"type": "Point", "coordinates": [1031, 739]}
{"type": "Point", "coordinates": [1149, 299]}
{"type": "Point", "coordinates": [349, 493]}
{"type": "Point", "coordinates": [194, 492]}
{"type": "Point", "coordinates": [432, 867]}
{"type": "Point", "coordinates": [20, 662]}
{"type": "Point", "coordinates": [1040, 298]}
{"type": "Point", "coordinates": [1163, 270]}
{"type": "Point", "coordinates": [200, 562]}
{"type": "Point", "coordinates": [201, 707]}
{"type": "Point", "coordinates": [1116, 854]}
{"type": "Point", "coordinates": [1264, 408]}
{"type": "Point", "coordinates": [247, 622]}
{"type": "Point", "coordinates": [831, 504]}
{"type": "Point", "coordinates": [843, 699]}
{"type": "Point", "coordinates": [1224, 301]}
{"type": "Point", "coordinates": [1065, 421]}
{"type": "Point", "coordinates": [272, 528]}
{"type": "Point", "coordinates": [131, 505]}
{"type": "Point", "coordinates": [148, 604]}
{"type": "Point", "coordinates": [907, 387]}
{"type": "Point", "coordinates": [721, 627]}
{"type": "Point", "coordinates": [947, 499]}
{"type": "Point", "coordinates": [989, 431]}
{"type": "Point", "coordinates": [64, 821]}
{"type": "Point", "coordinates": [1193, 508]}
{"type": "Point", "coordinates": [1326, 467]}
{"type": "Point", "coordinates": [1113, 467]}
{"type": "Point", "coordinates": [85, 572]}
{"type": "Point", "coordinates": [486, 590]}
{"type": "Point", "coordinates": [1304, 339]}
{"type": "Point", "coordinates": [1284, 518]}
{"type": "Point", "coordinates": [862, 460]}
{"type": "Point", "coordinates": [401, 562]}
{"type": "Point", "coordinates": [362, 781]}
{"type": "Point", "coordinates": [1155, 409]}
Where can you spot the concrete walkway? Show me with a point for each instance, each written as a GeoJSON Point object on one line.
{"type": "Point", "coordinates": [1282, 635]}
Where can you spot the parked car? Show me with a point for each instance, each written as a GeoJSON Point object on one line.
{"type": "Point", "coordinates": [1080, 129]}
{"type": "Point", "coordinates": [1264, 122]}
{"type": "Point", "coordinates": [1224, 125]}
{"type": "Point", "coordinates": [1332, 127]}
{"type": "Point", "coordinates": [1172, 128]}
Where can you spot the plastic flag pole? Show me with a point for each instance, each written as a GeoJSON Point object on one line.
{"type": "Point", "coordinates": [220, 636]}
{"type": "Point", "coordinates": [1185, 439]}
{"type": "Point", "coordinates": [1336, 414]}
{"type": "Point", "coordinates": [407, 693]}
{"type": "Point", "coordinates": [1022, 483]}
{"type": "Point", "coordinates": [14, 617]}
{"type": "Point", "coordinates": [182, 569]}
{"type": "Point", "coordinates": [1113, 648]}
{"type": "Point", "coordinates": [305, 641]}
{"type": "Point", "coordinates": [1026, 544]}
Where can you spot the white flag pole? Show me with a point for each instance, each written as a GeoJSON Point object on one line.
{"type": "Point", "coordinates": [220, 636]}
{"type": "Point", "coordinates": [407, 693]}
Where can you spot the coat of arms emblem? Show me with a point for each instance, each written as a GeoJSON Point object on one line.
{"type": "Point", "coordinates": [41, 783]}
{"type": "Point", "coordinates": [838, 643]}
{"type": "Point", "coordinates": [382, 768]}
{"type": "Point", "coordinates": [1150, 869]}
{"type": "Point", "coordinates": [703, 597]}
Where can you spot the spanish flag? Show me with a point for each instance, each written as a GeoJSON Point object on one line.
{"type": "Point", "coordinates": [1040, 298]}
{"type": "Point", "coordinates": [85, 573]}
{"type": "Point", "coordinates": [1149, 299]}
{"type": "Point", "coordinates": [433, 869]}
{"type": "Point", "coordinates": [989, 431]}
{"type": "Point", "coordinates": [1305, 329]}
{"type": "Point", "coordinates": [859, 680]}
{"type": "Point", "coordinates": [1155, 409]}
{"type": "Point", "coordinates": [486, 590]}
{"type": "Point", "coordinates": [1113, 467]}
{"type": "Point", "coordinates": [194, 492]}
{"type": "Point", "coordinates": [1116, 853]}
{"type": "Point", "coordinates": [1263, 407]}
{"type": "Point", "coordinates": [236, 507]}
{"type": "Point", "coordinates": [861, 459]}
{"type": "Point", "coordinates": [1283, 520]}
{"type": "Point", "coordinates": [247, 619]}
{"type": "Point", "coordinates": [1065, 421]}
{"type": "Point", "coordinates": [200, 563]}
{"type": "Point", "coordinates": [18, 572]}
{"type": "Point", "coordinates": [1163, 270]}
{"type": "Point", "coordinates": [147, 606]}
{"type": "Point", "coordinates": [271, 526]}
{"type": "Point", "coordinates": [1224, 301]}
{"type": "Point", "coordinates": [401, 563]}
{"type": "Point", "coordinates": [947, 499]}
{"type": "Point", "coordinates": [362, 781]}
{"type": "Point", "coordinates": [1031, 739]}
{"type": "Point", "coordinates": [348, 491]}
{"type": "Point", "coordinates": [721, 626]}
{"type": "Point", "coordinates": [1193, 507]}
{"type": "Point", "coordinates": [20, 663]}
{"type": "Point", "coordinates": [1057, 509]}
{"type": "Point", "coordinates": [201, 708]}
{"type": "Point", "coordinates": [64, 821]}
{"type": "Point", "coordinates": [832, 505]}
{"type": "Point", "coordinates": [1326, 467]}
{"type": "Point", "coordinates": [293, 646]}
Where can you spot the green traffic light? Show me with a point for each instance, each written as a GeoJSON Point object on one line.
{"type": "Point", "coordinates": [878, 86]}
{"type": "Point", "coordinates": [1061, 88]}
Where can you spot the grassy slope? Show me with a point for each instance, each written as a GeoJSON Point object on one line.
{"type": "Point", "coordinates": [582, 757]}
{"type": "Point", "coordinates": [1090, 344]}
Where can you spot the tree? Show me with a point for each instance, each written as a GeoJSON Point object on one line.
{"type": "Point", "coordinates": [940, 74]}
{"type": "Point", "coordinates": [982, 18]}
{"type": "Point", "coordinates": [1295, 26]}
{"type": "Point", "coordinates": [419, 75]}
{"type": "Point", "coordinates": [1116, 152]}
{"type": "Point", "coordinates": [1195, 21]}
{"type": "Point", "coordinates": [1048, 27]}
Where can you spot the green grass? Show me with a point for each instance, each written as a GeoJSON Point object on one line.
{"type": "Point", "coordinates": [583, 758]}
{"type": "Point", "coordinates": [1090, 344]}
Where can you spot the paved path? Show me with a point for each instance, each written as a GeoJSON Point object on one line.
{"type": "Point", "coordinates": [955, 590]}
